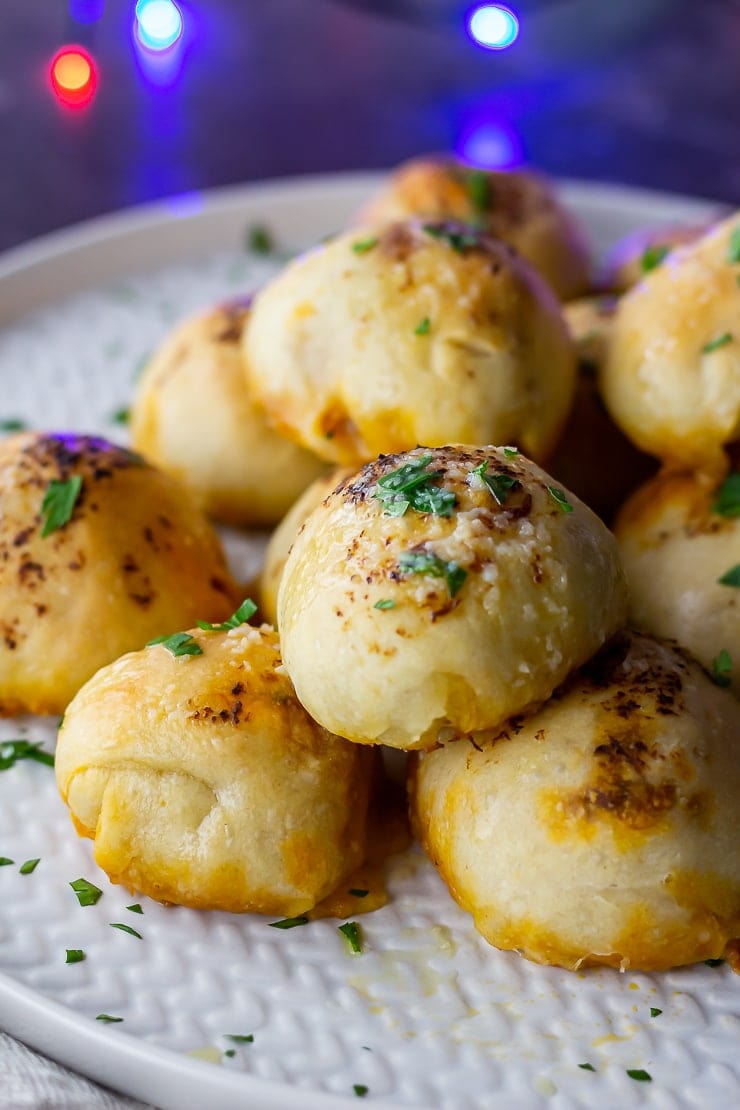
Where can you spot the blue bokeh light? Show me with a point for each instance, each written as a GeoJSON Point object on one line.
{"type": "Point", "coordinates": [491, 143]}
{"type": "Point", "coordinates": [158, 23]}
{"type": "Point", "coordinates": [86, 11]}
{"type": "Point", "coordinates": [493, 26]}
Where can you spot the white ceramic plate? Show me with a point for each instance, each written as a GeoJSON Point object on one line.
{"type": "Point", "coordinates": [429, 1015]}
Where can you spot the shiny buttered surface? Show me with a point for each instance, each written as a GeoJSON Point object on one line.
{"type": "Point", "coordinates": [413, 333]}
{"type": "Point", "coordinates": [672, 378]}
{"type": "Point", "coordinates": [516, 206]}
{"type": "Point", "coordinates": [603, 829]}
{"type": "Point", "coordinates": [203, 782]}
{"type": "Point", "coordinates": [99, 552]}
{"type": "Point", "coordinates": [442, 590]}
{"type": "Point", "coordinates": [193, 416]}
{"type": "Point", "coordinates": [679, 537]}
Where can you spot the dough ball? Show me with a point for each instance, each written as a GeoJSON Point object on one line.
{"type": "Point", "coordinates": [472, 605]}
{"type": "Point", "coordinates": [677, 544]}
{"type": "Point", "coordinates": [672, 378]}
{"type": "Point", "coordinates": [602, 829]}
{"type": "Point", "coordinates": [203, 782]}
{"type": "Point", "coordinates": [594, 458]}
{"type": "Point", "coordinates": [642, 251]}
{"type": "Point", "coordinates": [134, 560]}
{"type": "Point", "coordinates": [193, 416]}
{"type": "Point", "coordinates": [416, 333]}
{"type": "Point", "coordinates": [282, 538]}
{"type": "Point", "coordinates": [516, 206]}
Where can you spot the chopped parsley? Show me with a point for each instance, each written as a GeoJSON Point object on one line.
{"type": "Point", "coordinates": [727, 501]}
{"type": "Point", "coordinates": [5, 862]}
{"type": "Point", "coordinates": [58, 503]}
{"type": "Point", "coordinates": [715, 344]}
{"type": "Point", "coordinates": [87, 893]}
{"type": "Point", "coordinates": [13, 750]}
{"type": "Point", "coordinates": [289, 922]}
{"type": "Point", "coordinates": [107, 1018]}
{"type": "Point", "coordinates": [655, 1012]}
{"type": "Point", "coordinates": [358, 893]}
{"type": "Point", "coordinates": [460, 241]}
{"type": "Point", "coordinates": [125, 929]}
{"type": "Point", "coordinates": [360, 1089]}
{"type": "Point", "coordinates": [560, 499]}
{"type": "Point", "coordinates": [74, 956]}
{"type": "Point", "coordinates": [587, 1067]}
{"type": "Point", "coordinates": [120, 416]}
{"type": "Point", "coordinates": [411, 487]}
{"type": "Point", "coordinates": [511, 452]}
{"type": "Point", "coordinates": [479, 191]}
{"type": "Point", "coordinates": [425, 562]}
{"type": "Point", "coordinates": [12, 424]}
{"type": "Point", "coordinates": [230, 1052]}
{"type": "Point", "coordinates": [385, 603]}
{"type": "Point", "coordinates": [362, 246]}
{"type": "Point", "coordinates": [714, 963]}
{"type": "Point", "coordinates": [239, 1038]}
{"type": "Point", "coordinates": [652, 257]}
{"type": "Point", "coordinates": [245, 612]}
{"type": "Point", "coordinates": [29, 866]}
{"type": "Point", "coordinates": [733, 247]}
{"type": "Point", "coordinates": [423, 327]}
{"type": "Point", "coordinates": [722, 668]}
{"type": "Point", "coordinates": [136, 908]}
{"type": "Point", "coordinates": [352, 933]}
{"type": "Point", "coordinates": [731, 577]}
{"type": "Point", "coordinates": [499, 485]}
{"type": "Point", "coordinates": [640, 1075]}
{"type": "Point", "coordinates": [179, 643]}
{"type": "Point", "coordinates": [259, 239]}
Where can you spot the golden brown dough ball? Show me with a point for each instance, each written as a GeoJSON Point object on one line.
{"type": "Point", "coordinates": [416, 333]}
{"type": "Point", "coordinates": [203, 782]}
{"type": "Point", "coordinates": [133, 560]}
{"type": "Point", "coordinates": [593, 457]}
{"type": "Point", "coordinates": [517, 206]}
{"type": "Point", "coordinates": [403, 625]}
{"type": "Point", "coordinates": [637, 254]}
{"type": "Point", "coordinates": [282, 538]}
{"type": "Point", "coordinates": [679, 537]}
{"type": "Point", "coordinates": [672, 378]}
{"type": "Point", "coordinates": [602, 829]}
{"type": "Point", "coordinates": [193, 417]}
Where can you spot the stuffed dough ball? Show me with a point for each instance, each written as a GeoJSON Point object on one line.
{"type": "Point", "coordinates": [672, 377]}
{"type": "Point", "coordinates": [602, 829]}
{"type": "Point", "coordinates": [204, 783]}
{"type": "Point", "coordinates": [99, 552]}
{"type": "Point", "coordinates": [679, 537]}
{"type": "Point", "coordinates": [193, 416]}
{"type": "Point", "coordinates": [282, 538]}
{"type": "Point", "coordinates": [518, 207]}
{"type": "Point", "coordinates": [414, 333]}
{"type": "Point", "coordinates": [441, 591]}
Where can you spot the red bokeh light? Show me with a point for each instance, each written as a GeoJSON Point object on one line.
{"type": "Point", "coordinates": [73, 76]}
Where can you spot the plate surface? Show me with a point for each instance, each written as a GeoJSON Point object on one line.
{"type": "Point", "coordinates": [429, 1015]}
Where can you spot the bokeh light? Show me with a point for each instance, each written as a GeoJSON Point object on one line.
{"type": "Point", "coordinates": [493, 26]}
{"type": "Point", "coordinates": [73, 76]}
{"type": "Point", "coordinates": [158, 23]}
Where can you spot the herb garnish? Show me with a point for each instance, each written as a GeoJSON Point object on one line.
{"type": "Point", "coordinates": [362, 246]}
{"type": "Point", "coordinates": [499, 485]}
{"type": "Point", "coordinates": [87, 893]}
{"type": "Point", "coordinates": [560, 499]}
{"type": "Point", "coordinates": [136, 908]}
{"type": "Point", "coordinates": [511, 452]}
{"type": "Point", "coordinates": [58, 503]}
{"type": "Point", "coordinates": [731, 577]}
{"type": "Point", "coordinates": [425, 562]}
{"type": "Point", "coordinates": [460, 241]}
{"type": "Point", "coordinates": [29, 866]}
{"type": "Point", "coordinates": [13, 750]}
{"type": "Point", "coordinates": [715, 344]}
{"type": "Point", "coordinates": [423, 327]}
{"type": "Point", "coordinates": [259, 239]}
{"type": "Point", "coordinates": [230, 1052]}
{"type": "Point", "coordinates": [108, 1018]}
{"type": "Point", "coordinates": [5, 862]}
{"type": "Point", "coordinates": [125, 929]}
{"type": "Point", "coordinates": [120, 416]}
{"type": "Point", "coordinates": [352, 933]}
{"type": "Point", "coordinates": [727, 501]}
{"type": "Point", "coordinates": [410, 486]}
{"type": "Point", "coordinates": [385, 603]}
{"type": "Point", "coordinates": [722, 668]}
{"type": "Point", "coordinates": [587, 1067]}
{"type": "Point", "coordinates": [239, 1038]}
{"type": "Point", "coordinates": [13, 424]}
{"type": "Point", "coordinates": [714, 963]}
{"type": "Point", "coordinates": [640, 1075]}
{"type": "Point", "coordinates": [74, 956]}
{"type": "Point", "coordinates": [360, 1089]}
{"type": "Point", "coordinates": [358, 893]}
{"type": "Point", "coordinates": [246, 610]}
{"type": "Point", "coordinates": [289, 922]}
{"type": "Point", "coordinates": [652, 257]}
{"type": "Point", "coordinates": [478, 187]}
{"type": "Point", "coordinates": [655, 1012]}
{"type": "Point", "coordinates": [179, 643]}
{"type": "Point", "coordinates": [733, 247]}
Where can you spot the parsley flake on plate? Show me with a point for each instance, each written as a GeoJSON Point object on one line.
{"type": "Point", "coordinates": [425, 562]}
{"type": "Point", "coordinates": [179, 643]}
{"type": "Point", "coordinates": [587, 1067]}
{"type": "Point", "coordinates": [29, 866]}
{"type": "Point", "coordinates": [259, 239]}
{"type": "Point", "coordinates": [655, 1012]}
{"type": "Point", "coordinates": [640, 1075]}
{"type": "Point", "coordinates": [731, 577]}
{"type": "Point", "coordinates": [13, 424]}
{"type": "Point", "coordinates": [245, 612]}
{"type": "Point", "coordinates": [6, 862]}
{"type": "Point", "coordinates": [727, 500]}
{"type": "Point", "coordinates": [87, 893]}
{"type": "Point", "coordinates": [58, 503]}
{"type": "Point", "coordinates": [13, 750]}
{"type": "Point", "coordinates": [714, 963]}
{"type": "Point", "coordinates": [74, 956]}
{"type": "Point", "coordinates": [107, 1018]}
{"type": "Point", "coordinates": [125, 929]}
{"type": "Point", "coordinates": [360, 1089]}
{"type": "Point", "coordinates": [722, 668]}
{"type": "Point", "coordinates": [352, 933]}
{"type": "Point", "coordinates": [412, 486]}
{"type": "Point", "coordinates": [289, 922]}
{"type": "Point", "coordinates": [120, 416]}
{"type": "Point", "coordinates": [136, 908]}
{"type": "Point", "coordinates": [239, 1038]}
